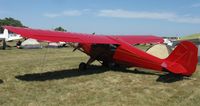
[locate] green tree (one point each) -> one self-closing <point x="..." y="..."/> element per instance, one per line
<point x="60" y="29"/>
<point x="11" y="22"/>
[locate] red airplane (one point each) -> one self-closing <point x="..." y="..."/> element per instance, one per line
<point x="118" y="50"/>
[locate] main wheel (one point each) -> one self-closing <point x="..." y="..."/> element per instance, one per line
<point x="82" y="66"/>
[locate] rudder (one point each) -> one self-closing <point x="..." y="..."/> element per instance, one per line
<point x="183" y="60"/>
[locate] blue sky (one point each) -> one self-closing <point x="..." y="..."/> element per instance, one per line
<point x="157" y="17"/>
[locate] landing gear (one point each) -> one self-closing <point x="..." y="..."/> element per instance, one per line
<point x="82" y="66"/>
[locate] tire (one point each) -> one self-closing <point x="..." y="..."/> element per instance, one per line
<point x="82" y="66"/>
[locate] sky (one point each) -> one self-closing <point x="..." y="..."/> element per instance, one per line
<point x="121" y="17"/>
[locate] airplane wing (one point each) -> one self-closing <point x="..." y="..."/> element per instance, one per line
<point x="56" y="36"/>
<point x="13" y="37"/>
<point x="138" y="39"/>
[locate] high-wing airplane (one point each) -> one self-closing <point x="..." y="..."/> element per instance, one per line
<point x="9" y="37"/>
<point x="5" y="37"/>
<point x="118" y="50"/>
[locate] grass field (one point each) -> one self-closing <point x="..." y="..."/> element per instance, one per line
<point x="49" y="77"/>
<point x="193" y="36"/>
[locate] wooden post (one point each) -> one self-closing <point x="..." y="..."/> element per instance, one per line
<point x="4" y="44"/>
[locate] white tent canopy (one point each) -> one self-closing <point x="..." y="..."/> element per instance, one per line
<point x="31" y="44"/>
<point x="56" y="44"/>
<point x="160" y="50"/>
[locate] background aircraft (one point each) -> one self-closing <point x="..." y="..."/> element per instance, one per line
<point x="5" y="37"/>
<point x="9" y="37"/>
<point x="118" y="50"/>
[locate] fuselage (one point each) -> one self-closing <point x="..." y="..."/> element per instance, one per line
<point x="124" y="55"/>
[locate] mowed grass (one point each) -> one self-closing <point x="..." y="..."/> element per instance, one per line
<point x="49" y="77"/>
<point x="193" y="36"/>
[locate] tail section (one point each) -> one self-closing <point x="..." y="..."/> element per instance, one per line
<point x="5" y="33"/>
<point x="183" y="60"/>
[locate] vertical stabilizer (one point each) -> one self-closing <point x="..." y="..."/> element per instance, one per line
<point x="183" y="60"/>
<point x="5" y="34"/>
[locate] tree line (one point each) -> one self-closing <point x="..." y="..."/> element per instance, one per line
<point x="17" y="23"/>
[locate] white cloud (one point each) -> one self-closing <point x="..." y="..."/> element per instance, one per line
<point x="196" y="5"/>
<point x="51" y="15"/>
<point x="64" y="13"/>
<point x="118" y="13"/>
<point x="72" y="13"/>
<point x="188" y="20"/>
<point x="135" y="14"/>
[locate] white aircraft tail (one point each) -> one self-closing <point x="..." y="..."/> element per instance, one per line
<point x="5" y="34"/>
<point x="9" y="37"/>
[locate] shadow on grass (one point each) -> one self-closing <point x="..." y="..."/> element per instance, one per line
<point x="1" y="81"/>
<point x="170" y="78"/>
<point x="61" y="74"/>
<point x="124" y="70"/>
<point x="8" y="47"/>
<point x="162" y="77"/>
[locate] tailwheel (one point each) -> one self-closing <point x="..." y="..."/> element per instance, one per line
<point x="82" y="66"/>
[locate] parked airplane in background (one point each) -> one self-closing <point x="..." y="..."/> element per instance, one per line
<point x="5" y="37"/>
<point x="118" y="50"/>
<point x="9" y="37"/>
<point x="168" y="42"/>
